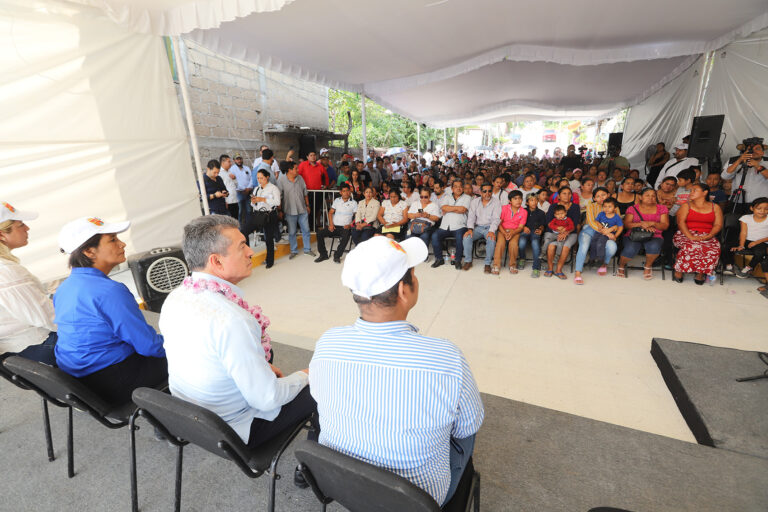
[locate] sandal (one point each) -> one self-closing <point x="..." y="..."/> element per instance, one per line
<point x="602" y="270"/>
<point x="495" y="270"/>
<point x="578" y="280"/>
<point x="647" y="273"/>
<point x="512" y="270"/>
<point x="620" y="272"/>
<point x="548" y="273"/>
<point x="561" y="275"/>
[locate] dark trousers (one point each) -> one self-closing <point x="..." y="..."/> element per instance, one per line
<point x="759" y="256"/>
<point x="441" y="234"/>
<point x="116" y="383"/>
<point x="269" y="238"/>
<point x="234" y="210"/>
<point x="362" y="235"/>
<point x="43" y="352"/>
<point x="262" y="431"/>
<point x="667" y="248"/>
<point x="242" y="207"/>
<point x="337" y="232"/>
<point x="731" y="230"/>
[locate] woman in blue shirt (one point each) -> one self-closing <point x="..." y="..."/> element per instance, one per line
<point x="104" y="340"/>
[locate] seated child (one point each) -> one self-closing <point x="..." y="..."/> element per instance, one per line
<point x="603" y="245"/>
<point x="753" y="238"/>
<point x="563" y="226"/>
<point x="534" y="227"/>
<point x="513" y="218"/>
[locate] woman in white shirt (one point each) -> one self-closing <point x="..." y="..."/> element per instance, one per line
<point x="392" y="216"/>
<point x="26" y="309"/>
<point x="366" y="222"/>
<point x="423" y="215"/>
<point x="266" y="199"/>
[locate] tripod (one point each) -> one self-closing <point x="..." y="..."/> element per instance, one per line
<point x="737" y="205"/>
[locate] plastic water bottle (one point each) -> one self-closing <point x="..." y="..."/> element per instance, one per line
<point x="712" y="278"/>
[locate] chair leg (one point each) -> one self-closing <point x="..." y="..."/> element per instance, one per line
<point x="70" y="444"/>
<point x="179" y="461"/>
<point x="272" y="483"/>
<point x="134" y="484"/>
<point x="47" y="429"/>
<point x="477" y="494"/>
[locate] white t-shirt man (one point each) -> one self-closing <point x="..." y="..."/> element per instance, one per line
<point x="673" y="168"/>
<point x="343" y="211"/>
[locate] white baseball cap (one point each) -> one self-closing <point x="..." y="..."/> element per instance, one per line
<point x="682" y="146"/>
<point x="324" y="151"/>
<point x="377" y="264"/>
<point x="76" y="233"/>
<point x="8" y="212"/>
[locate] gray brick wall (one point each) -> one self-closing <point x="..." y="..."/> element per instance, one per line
<point x="232" y="102"/>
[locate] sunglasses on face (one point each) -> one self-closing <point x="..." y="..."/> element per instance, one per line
<point x="487" y="190"/>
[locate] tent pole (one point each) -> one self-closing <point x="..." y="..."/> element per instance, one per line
<point x="418" y="139"/>
<point x="456" y="140"/>
<point x="365" y="131"/>
<point x="445" y="142"/>
<point x="190" y="122"/>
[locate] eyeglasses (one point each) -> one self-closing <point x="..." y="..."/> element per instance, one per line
<point x="487" y="190"/>
<point x="425" y="197"/>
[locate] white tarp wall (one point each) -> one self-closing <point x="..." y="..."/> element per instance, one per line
<point x="738" y="88"/>
<point x="90" y="125"/>
<point x="664" y="117"/>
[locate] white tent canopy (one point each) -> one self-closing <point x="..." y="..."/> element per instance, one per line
<point x="453" y="62"/>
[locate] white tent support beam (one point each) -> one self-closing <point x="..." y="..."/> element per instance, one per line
<point x="418" y="139"/>
<point x="445" y="142"/>
<point x="190" y="121"/>
<point x="365" y="130"/>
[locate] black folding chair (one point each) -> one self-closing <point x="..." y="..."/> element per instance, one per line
<point x="7" y="375"/>
<point x="363" y="487"/>
<point x="182" y="423"/>
<point x="63" y="390"/>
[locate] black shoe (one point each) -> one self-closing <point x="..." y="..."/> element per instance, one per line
<point x="320" y="258"/>
<point x="700" y="281"/>
<point x="676" y="279"/>
<point x="437" y="263"/>
<point x="337" y="260"/>
<point x="269" y="265"/>
<point x="457" y="264"/>
<point x="298" y="479"/>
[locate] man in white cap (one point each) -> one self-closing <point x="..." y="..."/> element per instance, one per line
<point x="674" y="167"/>
<point x="386" y="394"/>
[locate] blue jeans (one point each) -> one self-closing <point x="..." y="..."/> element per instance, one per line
<point x="478" y="233"/>
<point x="441" y="234"/>
<point x="585" y="240"/>
<point x="461" y="451"/>
<point x="42" y="352"/>
<point x="535" y="247"/>
<point x="303" y="221"/>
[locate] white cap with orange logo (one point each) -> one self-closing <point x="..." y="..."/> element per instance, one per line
<point x="76" y="233"/>
<point x="376" y="265"/>
<point x="8" y="212"/>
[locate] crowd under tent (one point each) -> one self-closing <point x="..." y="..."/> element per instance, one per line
<point x="92" y="124"/>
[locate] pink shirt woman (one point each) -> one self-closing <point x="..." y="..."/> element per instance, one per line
<point x="513" y="221"/>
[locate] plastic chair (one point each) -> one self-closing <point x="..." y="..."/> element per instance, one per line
<point x="363" y="487"/>
<point x="7" y="375"/>
<point x="63" y="390"/>
<point x="182" y="422"/>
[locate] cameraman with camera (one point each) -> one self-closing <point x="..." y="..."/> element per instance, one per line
<point x="752" y="175"/>
<point x="614" y="161"/>
<point x="573" y="161"/>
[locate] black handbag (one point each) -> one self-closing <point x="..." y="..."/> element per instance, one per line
<point x="638" y="234"/>
<point x="419" y="226"/>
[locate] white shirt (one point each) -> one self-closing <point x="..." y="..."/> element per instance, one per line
<point x="755" y="230"/>
<point x="755" y="184"/>
<point x="673" y="168"/>
<point x="436" y="199"/>
<point x="452" y="220"/>
<point x="393" y="213"/>
<point x="242" y="175"/>
<point x="502" y="196"/>
<point x="409" y="200"/>
<point x="271" y="193"/>
<point x="431" y="209"/>
<point x="230" y="183"/>
<point x="26" y="310"/>
<point x="343" y="211"/>
<point x="215" y="358"/>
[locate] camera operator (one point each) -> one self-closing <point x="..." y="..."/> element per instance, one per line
<point x="674" y="167"/>
<point x="614" y="161"/>
<point x="749" y="177"/>
<point x="572" y="161"/>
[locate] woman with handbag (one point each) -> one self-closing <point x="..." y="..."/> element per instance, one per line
<point x="265" y="201"/>
<point x="644" y="224"/>
<point x="423" y="215"/>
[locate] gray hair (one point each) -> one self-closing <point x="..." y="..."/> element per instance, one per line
<point x="203" y="236"/>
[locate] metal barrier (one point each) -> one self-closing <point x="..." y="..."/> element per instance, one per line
<point x="320" y="202"/>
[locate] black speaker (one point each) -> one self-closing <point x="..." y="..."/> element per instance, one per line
<point x="307" y="144"/>
<point x="157" y="273"/>
<point x="615" y="139"/>
<point x="705" y="136"/>
<point x="431" y="146"/>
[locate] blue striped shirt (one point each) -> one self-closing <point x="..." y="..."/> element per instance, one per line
<point x="394" y="398"/>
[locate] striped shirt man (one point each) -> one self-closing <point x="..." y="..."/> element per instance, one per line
<point x="393" y="398"/>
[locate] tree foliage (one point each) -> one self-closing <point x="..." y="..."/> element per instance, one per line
<point x="384" y="128"/>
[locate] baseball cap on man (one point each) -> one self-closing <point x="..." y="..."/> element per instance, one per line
<point x="682" y="146"/>
<point x="376" y="265"/>
<point x="8" y="212"/>
<point x="76" y="233"/>
<point x="324" y="151"/>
